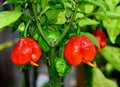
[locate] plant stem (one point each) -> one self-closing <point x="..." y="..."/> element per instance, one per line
<point x="35" y="76"/>
<point x="68" y="26"/>
<point x="53" y="79"/>
<point x="26" y="27"/>
<point x="26" y="78"/>
<point x="37" y="22"/>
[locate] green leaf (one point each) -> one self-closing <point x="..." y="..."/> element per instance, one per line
<point x="113" y="14"/>
<point x="89" y="8"/>
<point x="87" y="21"/>
<point x="108" y="14"/>
<point x="52" y="15"/>
<point x="44" y="3"/>
<point x="112" y="27"/>
<point x="99" y="80"/>
<point x="61" y="18"/>
<point x="99" y="3"/>
<point x="111" y="21"/>
<point x="68" y="12"/>
<point x="112" y="55"/>
<point x="8" y="17"/>
<point x="112" y="4"/>
<point x="117" y="10"/>
<point x="92" y="38"/>
<point x="79" y="15"/>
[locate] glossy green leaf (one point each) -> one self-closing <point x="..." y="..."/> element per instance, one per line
<point x="112" y="55"/>
<point x="8" y="17"/>
<point x="99" y="80"/>
<point x="87" y="21"/>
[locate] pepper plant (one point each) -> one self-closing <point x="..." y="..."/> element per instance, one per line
<point x="65" y="33"/>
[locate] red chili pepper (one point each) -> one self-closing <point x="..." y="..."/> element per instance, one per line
<point x="26" y="51"/>
<point x="80" y="49"/>
<point x="101" y="37"/>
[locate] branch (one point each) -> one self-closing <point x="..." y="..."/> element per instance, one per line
<point x="68" y="26"/>
<point x="38" y="24"/>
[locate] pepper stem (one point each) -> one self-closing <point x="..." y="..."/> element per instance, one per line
<point x="33" y="63"/>
<point x="68" y="26"/>
<point x="90" y="64"/>
<point x="37" y="22"/>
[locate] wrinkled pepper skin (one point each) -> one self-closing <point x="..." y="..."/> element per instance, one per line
<point x="26" y="51"/>
<point x="79" y="49"/>
<point x="101" y="37"/>
<point x="62" y="67"/>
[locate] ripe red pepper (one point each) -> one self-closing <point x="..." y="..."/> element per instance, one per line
<point x="101" y="37"/>
<point x="80" y="49"/>
<point x="26" y="51"/>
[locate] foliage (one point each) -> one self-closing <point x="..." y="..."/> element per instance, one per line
<point x="52" y="23"/>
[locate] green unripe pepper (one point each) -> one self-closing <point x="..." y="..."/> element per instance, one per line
<point x="43" y="44"/>
<point x="62" y="67"/>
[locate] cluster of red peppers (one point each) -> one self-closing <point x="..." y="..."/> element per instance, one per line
<point x="79" y="49"/>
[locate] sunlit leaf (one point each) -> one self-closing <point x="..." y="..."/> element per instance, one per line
<point x="87" y="21"/>
<point x="112" y="27"/>
<point x="89" y="8"/>
<point x="112" y="55"/>
<point x="8" y="17"/>
<point x="79" y="15"/>
<point x="61" y="18"/>
<point x="99" y="3"/>
<point x="112" y="4"/>
<point x="99" y="80"/>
